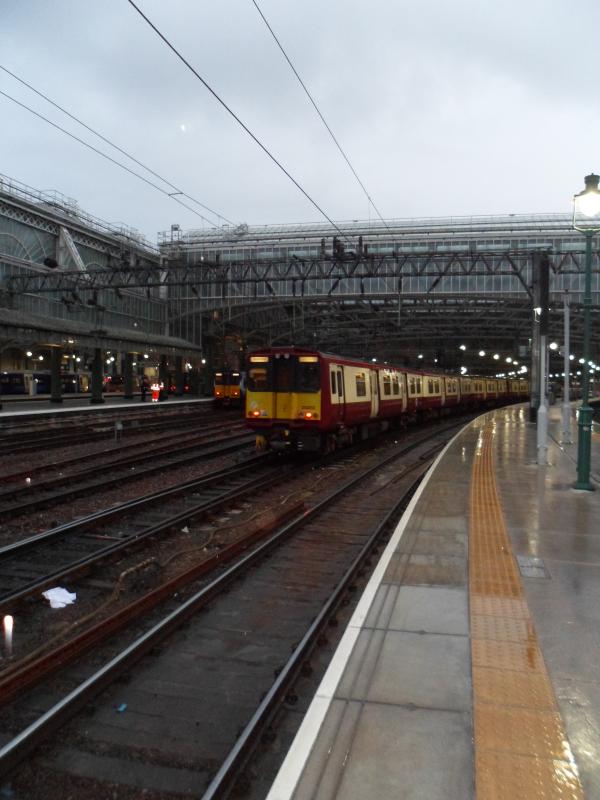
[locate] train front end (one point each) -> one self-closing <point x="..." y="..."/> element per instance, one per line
<point x="284" y="399"/>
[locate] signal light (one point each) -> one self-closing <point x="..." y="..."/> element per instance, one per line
<point x="256" y="413"/>
<point x="308" y="415"/>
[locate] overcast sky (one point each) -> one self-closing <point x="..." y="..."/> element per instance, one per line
<point x="444" y="108"/>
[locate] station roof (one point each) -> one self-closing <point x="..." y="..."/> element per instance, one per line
<point x="23" y="328"/>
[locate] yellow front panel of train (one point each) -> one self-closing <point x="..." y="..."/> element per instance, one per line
<point x="298" y="405"/>
<point x="288" y="406"/>
<point x="260" y="405"/>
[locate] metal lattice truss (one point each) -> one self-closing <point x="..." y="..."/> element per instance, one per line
<point x="382" y="305"/>
<point x="243" y="281"/>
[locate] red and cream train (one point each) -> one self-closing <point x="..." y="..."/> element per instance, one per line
<point x="308" y="400"/>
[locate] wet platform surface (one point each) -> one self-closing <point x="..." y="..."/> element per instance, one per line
<point x="471" y="667"/>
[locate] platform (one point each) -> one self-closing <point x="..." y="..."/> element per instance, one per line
<point x="470" y="668"/>
<point x="25" y="406"/>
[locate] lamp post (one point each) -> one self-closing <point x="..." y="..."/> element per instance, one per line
<point x="566" y="405"/>
<point x="586" y="203"/>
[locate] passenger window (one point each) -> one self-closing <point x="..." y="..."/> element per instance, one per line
<point x="395" y="384"/>
<point x="430" y="387"/>
<point x="339" y="382"/>
<point x="361" y="386"/>
<point x="333" y="390"/>
<point x="387" y="385"/>
<point x="418" y="385"/>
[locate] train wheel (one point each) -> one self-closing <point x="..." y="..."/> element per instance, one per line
<point x="330" y="444"/>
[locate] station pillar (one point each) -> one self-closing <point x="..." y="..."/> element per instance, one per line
<point x="96" y="397"/>
<point x="163" y="377"/>
<point x="194" y="381"/>
<point x="127" y="366"/>
<point x="55" y="382"/>
<point x="179" y="377"/>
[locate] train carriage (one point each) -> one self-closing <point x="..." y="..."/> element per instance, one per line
<point x="451" y="391"/>
<point x="228" y="387"/>
<point x="307" y="400"/>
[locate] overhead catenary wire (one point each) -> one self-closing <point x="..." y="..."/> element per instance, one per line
<point x="323" y="120"/>
<point x="106" y="156"/>
<point x="236" y="118"/>
<point x="112" y="144"/>
<point x="116" y="146"/>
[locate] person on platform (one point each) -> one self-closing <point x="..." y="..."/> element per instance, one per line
<point x="144" y="386"/>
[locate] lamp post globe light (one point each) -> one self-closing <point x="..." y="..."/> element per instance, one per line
<point x="586" y="220"/>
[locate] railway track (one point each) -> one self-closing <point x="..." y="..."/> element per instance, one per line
<point x="33" y="435"/>
<point x="120" y="449"/>
<point x="25" y="498"/>
<point x="31" y="565"/>
<point x="186" y="722"/>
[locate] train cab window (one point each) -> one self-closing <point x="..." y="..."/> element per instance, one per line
<point x="308" y="374"/>
<point x="361" y="385"/>
<point x="219" y="379"/>
<point x="258" y="379"/>
<point x="333" y="384"/>
<point x="387" y="384"/>
<point x="339" y="383"/>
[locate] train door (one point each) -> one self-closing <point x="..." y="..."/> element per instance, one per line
<point x="374" y="392"/>
<point x="283" y="384"/>
<point x="336" y="385"/>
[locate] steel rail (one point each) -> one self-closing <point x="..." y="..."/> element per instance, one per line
<point x="199" y="453"/>
<point x="107" y="514"/>
<point x="16" y="749"/>
<point x="246" y="742"/>
<point x="48" y="435"/>
<point x="154" y="446"/>
<point x="121" y="461"/>
<point x="84" y="562"/>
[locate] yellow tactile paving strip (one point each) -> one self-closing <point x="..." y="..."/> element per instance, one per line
<point x="521" y="747"/>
